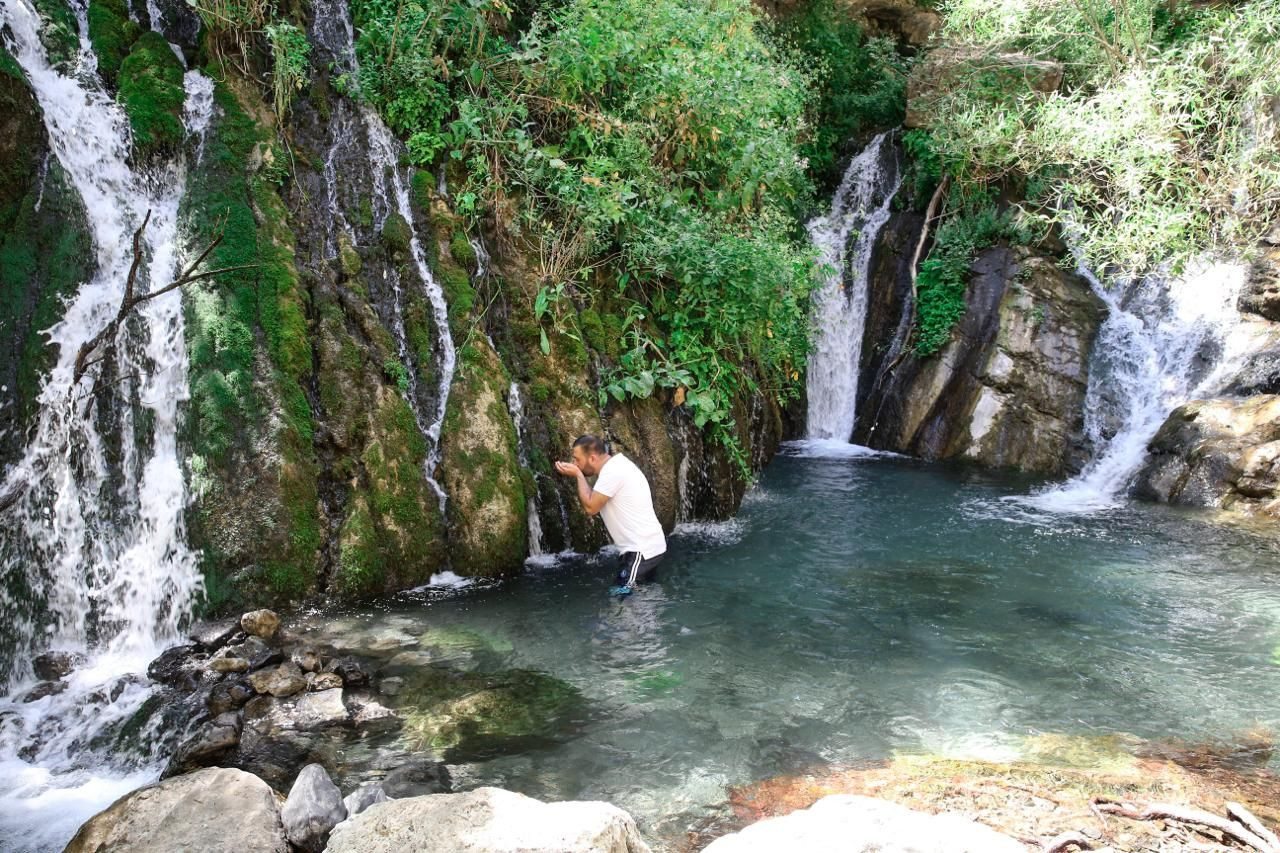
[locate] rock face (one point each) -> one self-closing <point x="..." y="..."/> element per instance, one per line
<point x="1012" y="73"/>
<point x="216" y="809"/>
<point x="313" y="809"/>
<point x="1007" y="390"/>
<point x="847" y="823"/>
<point x="1222" y="452"/>
<point x="487" y="820"/>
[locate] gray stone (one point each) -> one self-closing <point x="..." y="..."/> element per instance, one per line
<point x="349" y="670"/>
<point x="283" y="680"/>
<point x="260" y="623"/>
<point x="320" y="709"/>
<point x="212" y="810"/>
<point x="314" y="807"/>
<point x="176" y="667"/>
<point x="487" y="820"/>
<point x="416" y="779"/>
<point x="256" y="652"/>
<point x="323" y="680"/>
<point x="845" y="823"/>
<point x="50" y="666"/>
<point x="369" y="714"/>
<point x="43" y="689"/>
<point x="307" y="659"/>
<point x="228" y="696"/>
<point x="207" y="746"/>
<point x="390" y="686"/>
<point x="213" y="635"/>
<point x="364" y="796"/>
<point x="226" y="664"/>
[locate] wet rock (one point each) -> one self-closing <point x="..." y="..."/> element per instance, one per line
<point x="364" y="796"/>
<point x="390" y="686"/>
<point x="314" y="807"/>
<point x="1222" y="452"/>
<point x="50" y="666"/>
<point x="1261" y="293"/>
<point x="43" y="689"/>
<point x="176" y="667"/>
<point x="1260" y="374"/>
<point x="323" y="680"/>
<point x="228" y="696"/>
<point x="856" y="824"/>
<point x="416" y="779"/>
<point x="1008" y="389"/>
<point x="352" y="673"/>
<point x="320" y="709"/>
<point x="368" y="714"/>
<point x="488" y="819"/>
<point x="260" y="623"/>
<point x="210" y="745"/>
<point x="936" y="75"/>
<point x="258" y="653"/>
<point x="281" y="735"/>
<point x="226" y="664"/>
<point x="213" y="635"/>
<point x="307" y="659"/>
<point x="283" y="680"/>
<point x="212" y="810"/>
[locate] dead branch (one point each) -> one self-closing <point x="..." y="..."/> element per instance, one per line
<point x="1060" y="843"/>
<point x="132" y="300"/>
<point x="930" y="214"/>
<point x="1181" y="814"/>
<point x="1241" y="815"/>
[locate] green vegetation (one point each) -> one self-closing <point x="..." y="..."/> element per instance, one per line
<point x="1154" y="148"/>
<point x="59" y="32"/>
<point x="651" y="144"/>
<point x="289" y="66"/>
<point x="112" y="34"/>
<point x="150" y="88"/>
<point x="860" y="80"/>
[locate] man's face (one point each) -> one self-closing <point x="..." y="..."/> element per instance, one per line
<point x="589" y="465"/>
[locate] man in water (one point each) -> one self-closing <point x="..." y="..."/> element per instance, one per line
<point x="622" y="498"/>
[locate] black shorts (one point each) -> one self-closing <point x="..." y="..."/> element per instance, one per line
<point x="634" y="569"/>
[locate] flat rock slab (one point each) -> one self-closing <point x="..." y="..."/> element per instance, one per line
<point x="848" y="823"/>
<point x="212" y="810"/>
<point x="487" y="820"/>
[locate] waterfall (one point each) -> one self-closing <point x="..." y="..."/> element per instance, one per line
<point x="515" y="404"/>
<point x="1166" y="340"/>
<point x="844" y="238"/>
<point x="98" y="538"/>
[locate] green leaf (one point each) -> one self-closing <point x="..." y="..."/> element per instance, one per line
<point x="543" y="342"/>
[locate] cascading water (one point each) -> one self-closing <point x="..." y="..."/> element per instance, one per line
<point x="845" y="237"/>
<point x="97" y="539"/>
<point x="515" y="404"/>
<point x="1166" y="340"/>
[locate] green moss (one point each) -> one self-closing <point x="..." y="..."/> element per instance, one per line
<point x="111" y="34"/>
<point x="460" y="296"/>
<point x="59" y="32"/>
<point x="150" y="84"/>
<point x="422" y="189"/>
<point x="396" y="233"/>
<point x="464" y="254"/>
<point x="348" y="258"/>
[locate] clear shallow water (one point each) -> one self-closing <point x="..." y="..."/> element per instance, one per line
<point x="861" y="605"/>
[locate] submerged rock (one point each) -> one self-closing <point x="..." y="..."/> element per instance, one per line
<point x="416" y="779"/>
<point x="314" y="807"/>
<point x="847" y="823"/>
<point x="488" y="819"/>
<point x="364" y="796"/>
<point x="212" y="810"/>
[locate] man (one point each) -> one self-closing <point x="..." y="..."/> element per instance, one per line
<point x="622" y="498"/>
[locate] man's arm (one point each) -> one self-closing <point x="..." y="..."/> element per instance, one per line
<point x="591" y="500"/>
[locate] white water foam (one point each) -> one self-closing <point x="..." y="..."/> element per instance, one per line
<point x="845" y="238"/>
<point x="515" y="405"/>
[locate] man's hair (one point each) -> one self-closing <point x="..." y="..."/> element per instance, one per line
<point x="591" y="445"/>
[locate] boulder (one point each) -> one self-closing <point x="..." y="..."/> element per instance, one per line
<point x="228" y="696"/>
<point x="349" y="670"/>
<point x="177" y="667"/>
<point x="256" y="652"/>
<point x="283" y="680"/>
<point x="211" y="810"/>
<point x="946" y="69"/>
<point x="846" y="823"/>
<point x="213" y="635"/>
<point x="228" y="664"/>
<point x="307" y="659"/>
<point x="50" y="666"/>
<point x="43" y="689"/>
<point x="364" y="796"/>
<point x="260" y="623"/>
<point x="323" y="680"/>
<point x="209" y="745"/>
<point x="314" y="807"/>
<point x="490" y="820"/>
<point x="1222" y="452"/>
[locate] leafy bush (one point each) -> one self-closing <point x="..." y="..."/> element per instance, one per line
<point x="289" y="67"/>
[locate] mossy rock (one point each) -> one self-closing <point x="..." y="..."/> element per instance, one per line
<point x="459" y="295"/>
<point x="150" y="84"/>
<point x="463" y="253"/>
<point x="396" y="234"/>
<point x="59" y="31"/>
<point x="481" y="471"/>
<point x="467" y="716"/>
<point x="111" y="33"/>
<point x="466" y="647"/>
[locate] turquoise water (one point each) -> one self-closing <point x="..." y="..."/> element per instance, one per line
<point x="857" y="607"/>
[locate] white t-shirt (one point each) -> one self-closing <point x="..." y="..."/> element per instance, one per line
<point x="628" y="514"/>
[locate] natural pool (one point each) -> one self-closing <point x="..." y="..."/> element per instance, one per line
<point x="861" y="605"/>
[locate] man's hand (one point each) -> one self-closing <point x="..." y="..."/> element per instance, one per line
<point x="568" y="469"/>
